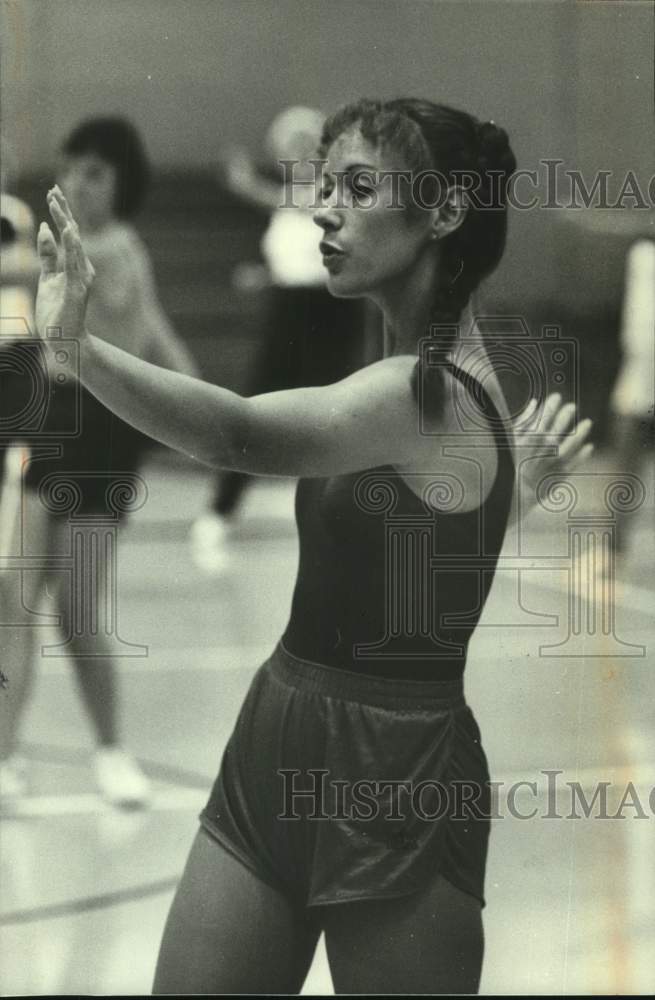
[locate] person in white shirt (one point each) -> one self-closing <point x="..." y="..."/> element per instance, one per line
<point x="311" y="338"/>
<point x="633" y="395"/>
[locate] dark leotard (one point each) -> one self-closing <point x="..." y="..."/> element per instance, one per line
<point x="387" y="584"/>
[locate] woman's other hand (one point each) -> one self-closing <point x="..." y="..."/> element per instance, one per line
<point x="548" y="441"/>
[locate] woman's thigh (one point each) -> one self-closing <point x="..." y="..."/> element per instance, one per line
<point x="429" y="942"/>
<point x="229" y="932"/>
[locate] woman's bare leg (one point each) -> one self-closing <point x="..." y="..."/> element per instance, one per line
<point x="229" y="932"/>
<point x="429" y="942"/>
<point x="20" y="593"/>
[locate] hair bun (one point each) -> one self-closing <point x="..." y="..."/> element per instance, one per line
<point x="495" y="150"/>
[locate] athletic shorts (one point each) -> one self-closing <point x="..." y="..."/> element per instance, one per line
<point x="72" y="437"/>
<point x="336" y="787"/>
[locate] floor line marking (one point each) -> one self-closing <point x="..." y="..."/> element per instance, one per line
<point x="72" y="907"/>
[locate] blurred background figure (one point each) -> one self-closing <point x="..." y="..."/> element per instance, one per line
<point x="19" y="263"/>
<point x="633" y="395"/>
<point x="105" y="174"/>
<point x="309" y="337"/>
<point x="18" y="278"/>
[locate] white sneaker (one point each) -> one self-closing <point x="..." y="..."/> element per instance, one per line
<point x="119" y="778"/>
<point x="12" y="779"/>
<point x="209" y="538"/>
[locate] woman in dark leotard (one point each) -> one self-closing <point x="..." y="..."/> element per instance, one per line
<point x="352" y="797"/>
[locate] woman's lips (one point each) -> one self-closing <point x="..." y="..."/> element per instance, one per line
<point x="332" y="256"/>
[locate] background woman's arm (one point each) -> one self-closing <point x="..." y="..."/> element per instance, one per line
<point x="243" y="179"/>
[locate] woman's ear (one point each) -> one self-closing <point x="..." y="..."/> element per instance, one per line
<point x="450" y="214"/>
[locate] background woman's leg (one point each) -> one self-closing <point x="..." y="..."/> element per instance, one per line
<point x="229" y="932"/>
<point x="20" y="593"/>
<point x="429" y="942"/>
<point x="96" y="672"/>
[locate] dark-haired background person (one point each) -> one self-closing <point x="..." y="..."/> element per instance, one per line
<point x="309" y="337"/>
<point x="398" y="896"/>
<point x="105" y="174"/>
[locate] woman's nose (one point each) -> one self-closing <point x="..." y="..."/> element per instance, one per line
<point x="327" y="217"/>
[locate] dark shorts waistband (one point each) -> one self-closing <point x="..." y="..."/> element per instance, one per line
<point x="348" y="685"/>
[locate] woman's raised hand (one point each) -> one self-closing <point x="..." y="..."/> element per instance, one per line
<point x="65" y="281"/>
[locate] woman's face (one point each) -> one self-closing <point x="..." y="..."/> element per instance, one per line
<point x="89" y="183"/>
<point x="367" y="243"/>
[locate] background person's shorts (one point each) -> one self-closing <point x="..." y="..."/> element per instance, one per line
<point x="76" y="437"/>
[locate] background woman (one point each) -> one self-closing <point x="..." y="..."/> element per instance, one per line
<point x="105" y="173"/>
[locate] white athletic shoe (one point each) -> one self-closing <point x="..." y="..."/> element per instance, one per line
<point x="12" y="779"/>
<point x="119" y="778"/>
<point x="210" y="537"/>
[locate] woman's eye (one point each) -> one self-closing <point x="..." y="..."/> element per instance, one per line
<point x="359" y="188"/>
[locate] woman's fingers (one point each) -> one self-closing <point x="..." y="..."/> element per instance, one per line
<point x="574" y="442"/>
<point x="562" y="420"/>
<point x="47" y="250"/>
<point x="585" y="452"/>
<point x="57" y="213"/>
<point x="78" y="266"/>
<point x="578" y="459"/>
<point x="71" y="259"/>
<point x="526" y="415"/>
<point x="59" y="195"/>
<point x="551" y="406"/>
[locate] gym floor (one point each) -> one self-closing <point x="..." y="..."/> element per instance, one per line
<point x="570" y="901"/>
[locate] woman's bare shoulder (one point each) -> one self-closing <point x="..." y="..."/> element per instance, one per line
<point x="392" y="372"/>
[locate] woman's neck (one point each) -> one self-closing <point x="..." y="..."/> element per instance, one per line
<point x="407" y="312"/>
<point x="406" y="305"/>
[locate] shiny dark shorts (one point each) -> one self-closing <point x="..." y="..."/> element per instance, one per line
<point x="336" y="787"/>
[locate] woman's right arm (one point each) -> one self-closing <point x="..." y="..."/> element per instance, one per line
<point x="202" y="420"/>
<point x="366" y="420"/>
